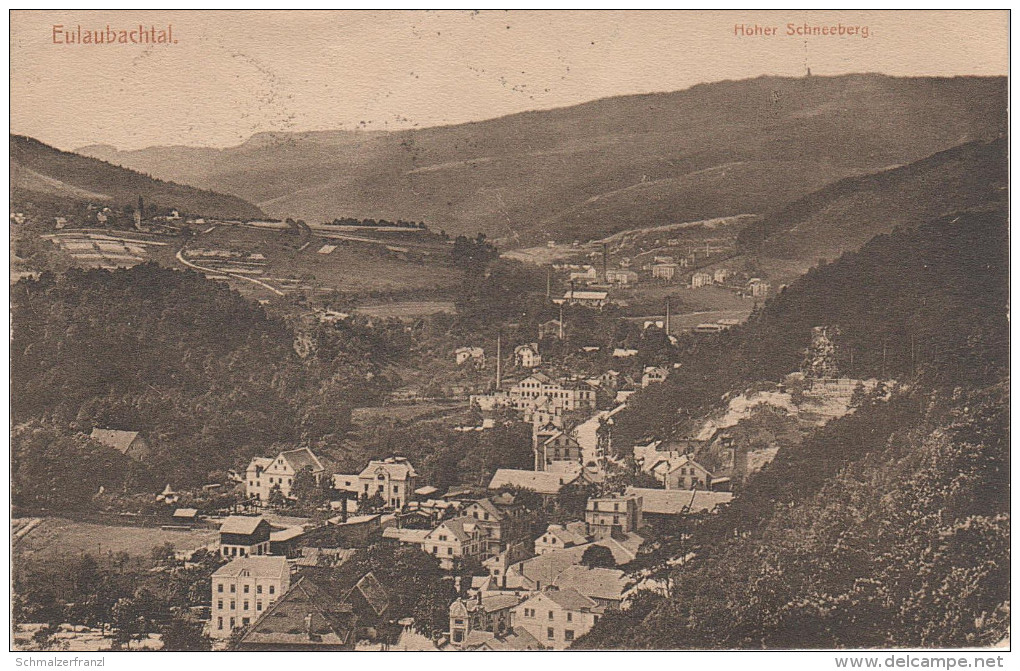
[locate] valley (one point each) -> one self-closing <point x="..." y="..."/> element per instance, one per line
<point x="765" y="320"/>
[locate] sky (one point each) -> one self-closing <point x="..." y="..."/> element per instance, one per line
<point x="232" y="74"/>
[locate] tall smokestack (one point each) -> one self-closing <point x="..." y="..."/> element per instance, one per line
<point x="667" y="315"/>
<point x="561" y="321"/>
<point x="499" y="360"/>
<point x="548" y="284"/>
<point x="605" y="260"/>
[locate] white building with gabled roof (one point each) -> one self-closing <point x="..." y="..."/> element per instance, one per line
<point x="453" y="540"/>
<point x="557" y="617"/>
<point x="393" y="479"/>
<point x="527" y="356"/>
<point x="244" y="589"/>
<point x="265" y="473"/>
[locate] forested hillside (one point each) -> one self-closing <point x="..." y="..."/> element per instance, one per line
<point x="889" y="526"/>
<point x="205" y="374"/>
<point x="930" y="301"/>
<point x="40" y="171"/>
<point x="843" y="216"/>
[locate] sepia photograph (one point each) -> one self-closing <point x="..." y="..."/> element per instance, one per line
<point x="509" y="331"/>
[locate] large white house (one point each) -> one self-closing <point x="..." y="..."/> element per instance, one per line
<point x="453" y="540"/>
<point x="527" y="356"/>
<point x="263" y="474"/>
<point x="393" y="479"/>
<point x="245" y="588"/>
<point x="556" y="617"/>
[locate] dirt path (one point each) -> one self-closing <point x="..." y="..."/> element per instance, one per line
<point x="180" y="258"/>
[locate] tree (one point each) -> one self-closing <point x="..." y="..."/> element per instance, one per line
<point x="306" y="490"/>
<point x="374" y="502"/>
<point x="276" y="497"/>
<point x="598" y="556"/>
<point x="183" y="634"/>
<point x="45" y="637"/>
<point x="163" y="553"/>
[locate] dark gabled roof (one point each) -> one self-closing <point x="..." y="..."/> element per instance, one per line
<point x="302" y="457"/>
<point x="363" y="594"/>
<point x="306" y="615"/>
<point x="570" y="599"/>
<point x="373" y="592"/>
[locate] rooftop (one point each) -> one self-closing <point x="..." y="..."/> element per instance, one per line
<point x="570" y="599"/>
<point x="678" y="501"/>
<point x="305" y="615"/>
<point x="596" y="583"/>
<point x="405" y="535"/>
<point x="398" y="468"/>
<point x="257" y="567"/>
<point x="586" y="295"/>
<point x="541" y="482"/>
<point x="287" y="534"/>
<point x="302" y="457"/>
<point x="237" y="524"/>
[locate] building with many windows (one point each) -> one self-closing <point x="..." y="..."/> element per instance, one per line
<point x="243" y="589"/>
<point x="617" y="514"/>
<point x="556" y="617"/>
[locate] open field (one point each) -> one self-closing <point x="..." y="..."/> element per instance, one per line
<point x="56" y="536"/>
<point x="406" y="309"/>
<point x="651" y="299"/>
<point x="545" y="255"/>
<point x="111" y="249"/>
<point x="291" y="261"/>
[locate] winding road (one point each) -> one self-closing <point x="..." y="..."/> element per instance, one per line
<point x="216" y="271"/>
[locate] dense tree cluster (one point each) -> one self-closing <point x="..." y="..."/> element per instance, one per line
<point x="446" y="458"/>
<point x="205" y="375"/>
<point x="473" y="254"/>
<point x="134" y="598"/>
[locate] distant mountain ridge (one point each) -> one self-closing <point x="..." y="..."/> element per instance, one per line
<point x="40" y="169"/>
<point x="586" y="171"/>
<point x="844" y="215"/>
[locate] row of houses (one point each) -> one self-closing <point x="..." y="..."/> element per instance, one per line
<point x="549" y="600"/>
<point x="537" y="595"/>
<point x="392" y="479"/>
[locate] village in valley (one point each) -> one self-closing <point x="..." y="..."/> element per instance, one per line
<point x="533" y="335"/>
<point x="531" y="556"/>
